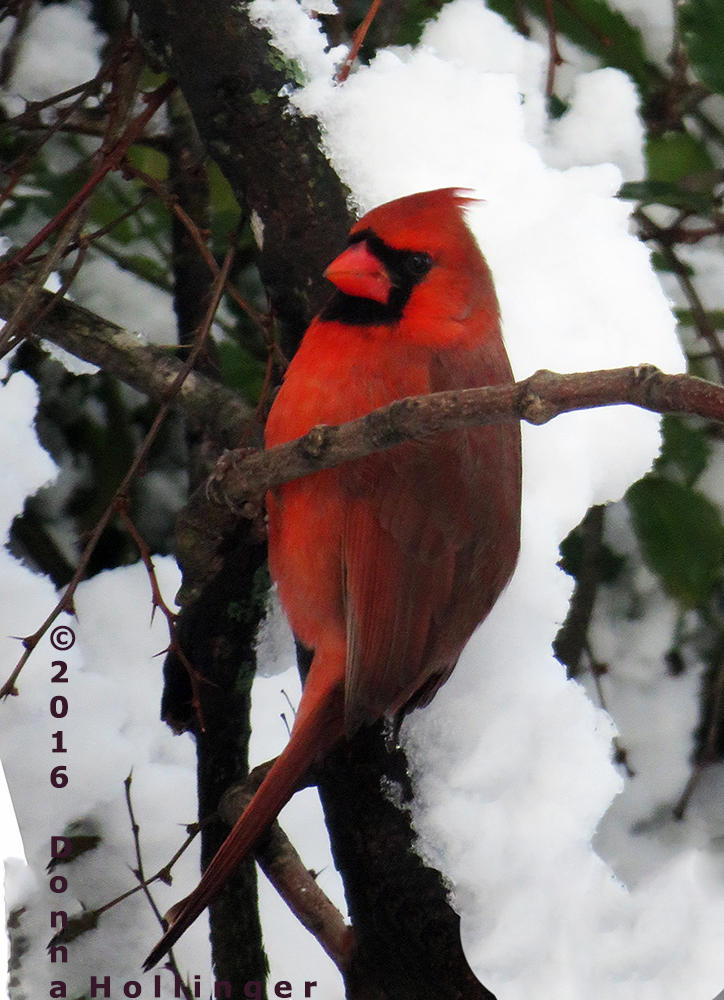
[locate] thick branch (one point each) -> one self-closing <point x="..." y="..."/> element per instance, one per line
<point x="151" y="370"/>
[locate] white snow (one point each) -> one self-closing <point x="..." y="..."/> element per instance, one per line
<point x="60" y="50"/>
<point x="655" y="21"/>
<point x="512" y="762"/>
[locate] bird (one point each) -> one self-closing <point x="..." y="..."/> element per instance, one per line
<point x="384" y="565"/>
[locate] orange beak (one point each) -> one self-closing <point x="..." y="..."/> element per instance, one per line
<point x="358" y="272"/>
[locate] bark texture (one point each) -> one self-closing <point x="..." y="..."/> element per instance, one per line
<point x="231" y="77"/>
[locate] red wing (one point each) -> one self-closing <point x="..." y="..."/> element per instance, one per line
<point x="430" y="539"/>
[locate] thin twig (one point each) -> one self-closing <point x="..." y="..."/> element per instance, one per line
<point x="80" y="89"/>
<point x="143" y="883"/>
<point x="358" y="40"/>
<point x="135" y="830"/>
<point x="157" y="601"/>
<point x="706" y="329"/>
<point x="554" y="56"/>
<point x="708" y="754"/>
<point x="88" y="920"/>
<point x="598" y="669"/>
<point x="112" y="161"/>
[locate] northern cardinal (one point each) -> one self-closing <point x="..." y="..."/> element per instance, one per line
<point x="386" y="565"/>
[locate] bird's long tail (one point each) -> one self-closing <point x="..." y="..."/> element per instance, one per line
<point x="318" y="726"/>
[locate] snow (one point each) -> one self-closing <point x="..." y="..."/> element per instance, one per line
<point x="60" y="50"/>
<point x="600" y="124"/>
<point x="121" y="297"/>
<point x="655" y="21"/>
<point x="570" y="882"/>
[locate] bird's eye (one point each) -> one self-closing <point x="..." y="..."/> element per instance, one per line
<point x="418" y="264"/>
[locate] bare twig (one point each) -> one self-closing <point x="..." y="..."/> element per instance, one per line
<point x="89" y="919"/>
<point x="708" y="754"/>
<point x="144" y="886"/>
<point x="358" y="40"/>
<point x="135" y="830"/>
<point x="554" y="56"/>
<point x="157" y="601"/>
<point x="111" y="161"/>
<point x="598" y="669"/>
<point x="706" y="329"/>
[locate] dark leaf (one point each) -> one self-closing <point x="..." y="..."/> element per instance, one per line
<point x="609" y="563"/>
<point x="681" y="536"/>
<point x="673" y="156"/>
<point x="665" y="193"/>
<point x="685" y="447"/>
<point x="702" y="26"/>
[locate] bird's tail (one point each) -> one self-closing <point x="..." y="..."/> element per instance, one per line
<point x="317" y="728"/>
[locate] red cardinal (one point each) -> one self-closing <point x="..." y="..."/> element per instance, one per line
<point x="385" y="565"/>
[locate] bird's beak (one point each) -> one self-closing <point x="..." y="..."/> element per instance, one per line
<point x="358" y="272"/>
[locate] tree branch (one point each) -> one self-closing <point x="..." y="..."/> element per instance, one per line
<point x="285" y="870"/>
<point x="242" y="478"/>
<point x="149" y="369"/>
<point x="536" y="400"/>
